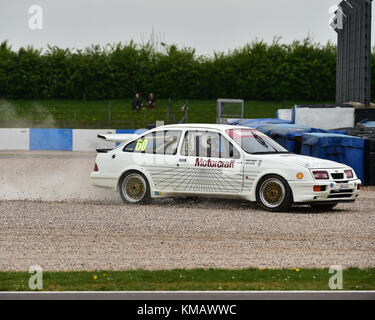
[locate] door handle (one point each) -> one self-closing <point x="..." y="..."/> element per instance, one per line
<point x="181" y="160"/>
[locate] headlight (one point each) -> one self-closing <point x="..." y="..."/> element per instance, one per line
<point x="349" y="174"/>
<point x="319" y="175"/>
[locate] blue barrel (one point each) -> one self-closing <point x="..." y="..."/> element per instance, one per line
<point x="337" y="147"/>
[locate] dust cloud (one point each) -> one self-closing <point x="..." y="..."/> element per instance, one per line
<point x="50" y="176"/>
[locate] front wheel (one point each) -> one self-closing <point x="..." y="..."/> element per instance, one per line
<point x="274" y="194"/>
<point x="134" y="188"/>
<point x="323" y="206"/>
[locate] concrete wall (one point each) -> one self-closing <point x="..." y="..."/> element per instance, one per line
<point x="14" y="139"/>
<point x="87" y="140"/>
<point x="324" y="118"/>
<point x="56" y="139"/>
<point x="284" y="114"/>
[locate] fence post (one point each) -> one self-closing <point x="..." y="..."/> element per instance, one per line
<point x="186" y="111"/>
<point x="168" y="109"/>
<point x="109" y="114"/>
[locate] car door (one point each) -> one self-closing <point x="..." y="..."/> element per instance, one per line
<point x="156" y="152"/>
<point x="210" y="164"/>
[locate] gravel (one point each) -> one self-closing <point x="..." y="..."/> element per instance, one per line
<point x="71" y="231"/>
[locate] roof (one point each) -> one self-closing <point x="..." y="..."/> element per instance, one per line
<point x="222" y="127"/>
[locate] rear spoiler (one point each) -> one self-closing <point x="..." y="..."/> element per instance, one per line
<point x="118" y="137"/>
<point x="103" y="150"/>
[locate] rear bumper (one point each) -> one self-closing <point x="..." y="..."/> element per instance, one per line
<point x="104" y="181"/>
<point x="303" y="192"/>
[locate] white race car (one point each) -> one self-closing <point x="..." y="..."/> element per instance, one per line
<point x="223" y="161"/>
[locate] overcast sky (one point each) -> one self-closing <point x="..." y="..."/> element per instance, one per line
<point x="207" y="25"/>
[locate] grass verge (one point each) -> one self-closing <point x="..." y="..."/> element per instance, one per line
<point x="95" y="114"/>
<point x="195" y="279"/>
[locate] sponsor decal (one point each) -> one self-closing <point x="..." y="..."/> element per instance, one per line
<point x="251" y="162"/>
<point x="199" y="162"/>
<point x="244" y="133"/>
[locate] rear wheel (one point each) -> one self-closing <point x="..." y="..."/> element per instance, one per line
<point x="274" y="194"/>
<point x="323" y="206"/>
<point x="134" y="188"/>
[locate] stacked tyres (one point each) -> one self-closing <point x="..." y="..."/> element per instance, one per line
<point x="362" y="114"/>
<point x="360" y="131"/>
<point x="370" y="160"/>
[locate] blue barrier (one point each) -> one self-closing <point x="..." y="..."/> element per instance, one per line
<point x="337" y="147"/>
<point x="256" y="122"/>
<point x="285" y="134"/>
<point x="130" y="131"/>
<point x="51" y="139"/>
<point x="290" y="135"/>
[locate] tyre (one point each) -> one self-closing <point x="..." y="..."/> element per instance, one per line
<point x="273" y="193"/>
<point x="134" y="188"/>
<point x="323" y="206"/>
<point x="371" y="143"/>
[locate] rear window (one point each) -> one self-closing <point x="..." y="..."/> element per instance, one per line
<point x="159" y="142"/>
<point x="255" y="142"/>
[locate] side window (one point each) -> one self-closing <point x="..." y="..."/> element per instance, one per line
<point x="130" y="147"/>
<point x="158" y="142"/>
<point x="167" y="141"/>
<point x="208" y="144"/>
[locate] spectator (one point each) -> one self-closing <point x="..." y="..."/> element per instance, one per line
<point x="151" y="101"/>
<point x="137" y="102"/>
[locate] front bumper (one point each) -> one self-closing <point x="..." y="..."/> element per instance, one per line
<point x="332" y="191"/>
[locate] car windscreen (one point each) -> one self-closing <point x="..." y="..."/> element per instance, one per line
<point x="255" y="142"/>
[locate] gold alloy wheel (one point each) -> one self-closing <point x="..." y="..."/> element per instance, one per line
<point x="134" y="187"/>
<point x="272" y="192"/>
